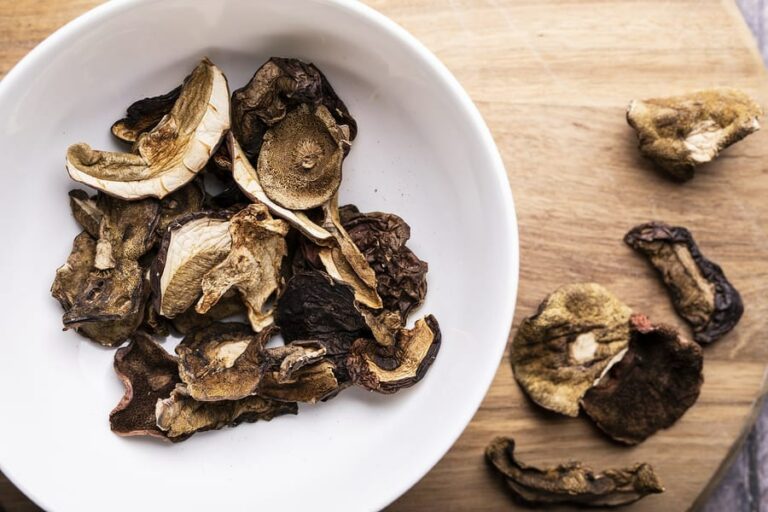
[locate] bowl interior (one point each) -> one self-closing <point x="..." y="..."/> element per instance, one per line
<point x="422" y="153"/>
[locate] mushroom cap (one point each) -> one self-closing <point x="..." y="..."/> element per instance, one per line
<point x="299" y="166"/>
<point x="172" y="153"/>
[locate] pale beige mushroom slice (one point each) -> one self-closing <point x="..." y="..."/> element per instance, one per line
<point x="253" y="265"/>
<point x="192" y="246"/>
<point x="172" y="153"/>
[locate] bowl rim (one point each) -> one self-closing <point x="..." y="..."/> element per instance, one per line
<point x="508" y="218"/>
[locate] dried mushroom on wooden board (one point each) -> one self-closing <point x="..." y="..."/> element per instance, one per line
<point x="699" y="289"/>
<point x="558" y="353"/>
<point x="180" y="239"/>
<point x="571" y="483"/>
<point x="681" y="132"/>
<point x="650" y="388"/>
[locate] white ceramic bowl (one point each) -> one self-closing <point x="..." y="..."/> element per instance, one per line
<point x="423" y="152"/>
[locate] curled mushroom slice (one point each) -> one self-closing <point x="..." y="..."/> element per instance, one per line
<point x="310" y="384"/>
<point x="558" y="353"/>
<point x="314" y="306"/>
<point x="390" y="369"/>
<point x="700" y="292"/>
<point x="222" y="362"/>
<point x="650" y="388"/>
<point x="172" y="153"/>
<point x="149" y="374"/>
<point x="143" y="115"/>
<point x="276" y="87"/>
<point x="401" y="280"/>
<point x="190" y="320"/>
<point x="252" y="266"/>
<point x="85" y="211"/>
<point x="682" y="132"/>
<point x="126" y="231"/>
<point x="180" y="416"/>
<point x="571" y="483"/>
<point x="299" y="165"/>
<point x="245" y="176"/>
<point x="192" y="245"/>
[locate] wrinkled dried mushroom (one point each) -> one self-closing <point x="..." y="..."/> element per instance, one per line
<point x="172" y="153"/>
<point x="180" y="416"/>
<point x="699" y="289"/>
<point x="558" y="353"/>
<point x="143" y="115"/>
<point x="253" y="265"/>
<point x="183" y="202"/>
<point x="149" y="374"/>
<point x="190" y="320"/>
<point x="390" y="369"/>
<point x="650" y="388"/>
<point x="682" y="132"/>
<point x="571" y="483"/>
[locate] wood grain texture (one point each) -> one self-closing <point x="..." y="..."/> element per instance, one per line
<point x="552" y="79"/>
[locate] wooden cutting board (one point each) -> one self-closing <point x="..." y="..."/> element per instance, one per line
<point x="552" y="79"/>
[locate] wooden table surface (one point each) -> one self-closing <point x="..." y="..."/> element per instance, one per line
<point x="552" y="79"/>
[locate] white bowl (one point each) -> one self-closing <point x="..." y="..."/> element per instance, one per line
<point x="423" y="152"/>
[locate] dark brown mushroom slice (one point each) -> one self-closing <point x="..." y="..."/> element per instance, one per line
<point x="192" y="245"/>
<point x="700" y="292"/>
<point x="110" y="304"/>
<point x="70" y="277"/>
<point x="277" y="86"/>
<point x="314" y="306"/>
<point x="559" y="352"/>
<point x="126" y="231"/>
<point x="571" y="483"/>
<point x="682" y="132"/>
<point x="224" y="361"/>
<point x="183" y="202"/>
<point x="153" y="323"/>
<point x="299" y="165"/>
<point x="650" y="388"/>
<point x="143" y="115"/>
<point x="189" y="321"/>
<point x="252" y="266"/>
<point x="390" y="369"/>
<point x="149" y="374"/>
<point x="180" y="416"/>
<point x="85" y="211"/>
<point x="401" y="277"/>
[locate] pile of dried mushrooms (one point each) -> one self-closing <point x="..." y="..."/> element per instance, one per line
<point x="159" y="252"/>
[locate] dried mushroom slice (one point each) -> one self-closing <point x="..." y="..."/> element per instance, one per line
<point x="314" y="306"/>
<point x="109" y="305"/>
<point x="85" y="211"/>
<point x="571" y="483"/>
<point x="127" y="228"/>
<point x="299" y="165"/>
<point x="558" y="353"/>
<point x="149" y="374"/>
<point x="192" y="246"/>
<point x="277" y="86"/>
<point x="143" y="115"/>
<point x="700" y="292"/>
<point x="190" y="320"/>
<point x="401" y="277"/>
<point x="181" y="416"/>
<point x="172" y="153"/>
<point x="183" y="202"/>
<point x="310" y="384"/>
<point x="71" y="276"/>
<point x="650" y="388"/>
<point x="252" y="266"/>
<point x="246" y="178"/>
<point x="682" y="132"/>
<point x="222" y="362"/>
<point x="390" y="369"/>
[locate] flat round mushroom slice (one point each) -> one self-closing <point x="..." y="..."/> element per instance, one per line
<point x="252" y="267"/>
<point x="172" y="153"/>
<point x="180" y="416"/>
<point x="558" y="353"/>
<point x="246" y="178"/>
<point x="650" y="388"/>
<point x="149" y="374"/>
<point x="223" y="361"/>
<point x="570" y="483"/>
<point x="390" y="369"/>
<point x="143" y="115"/>
<point x="299" y="165"/>
<point x="192" y="245"/>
